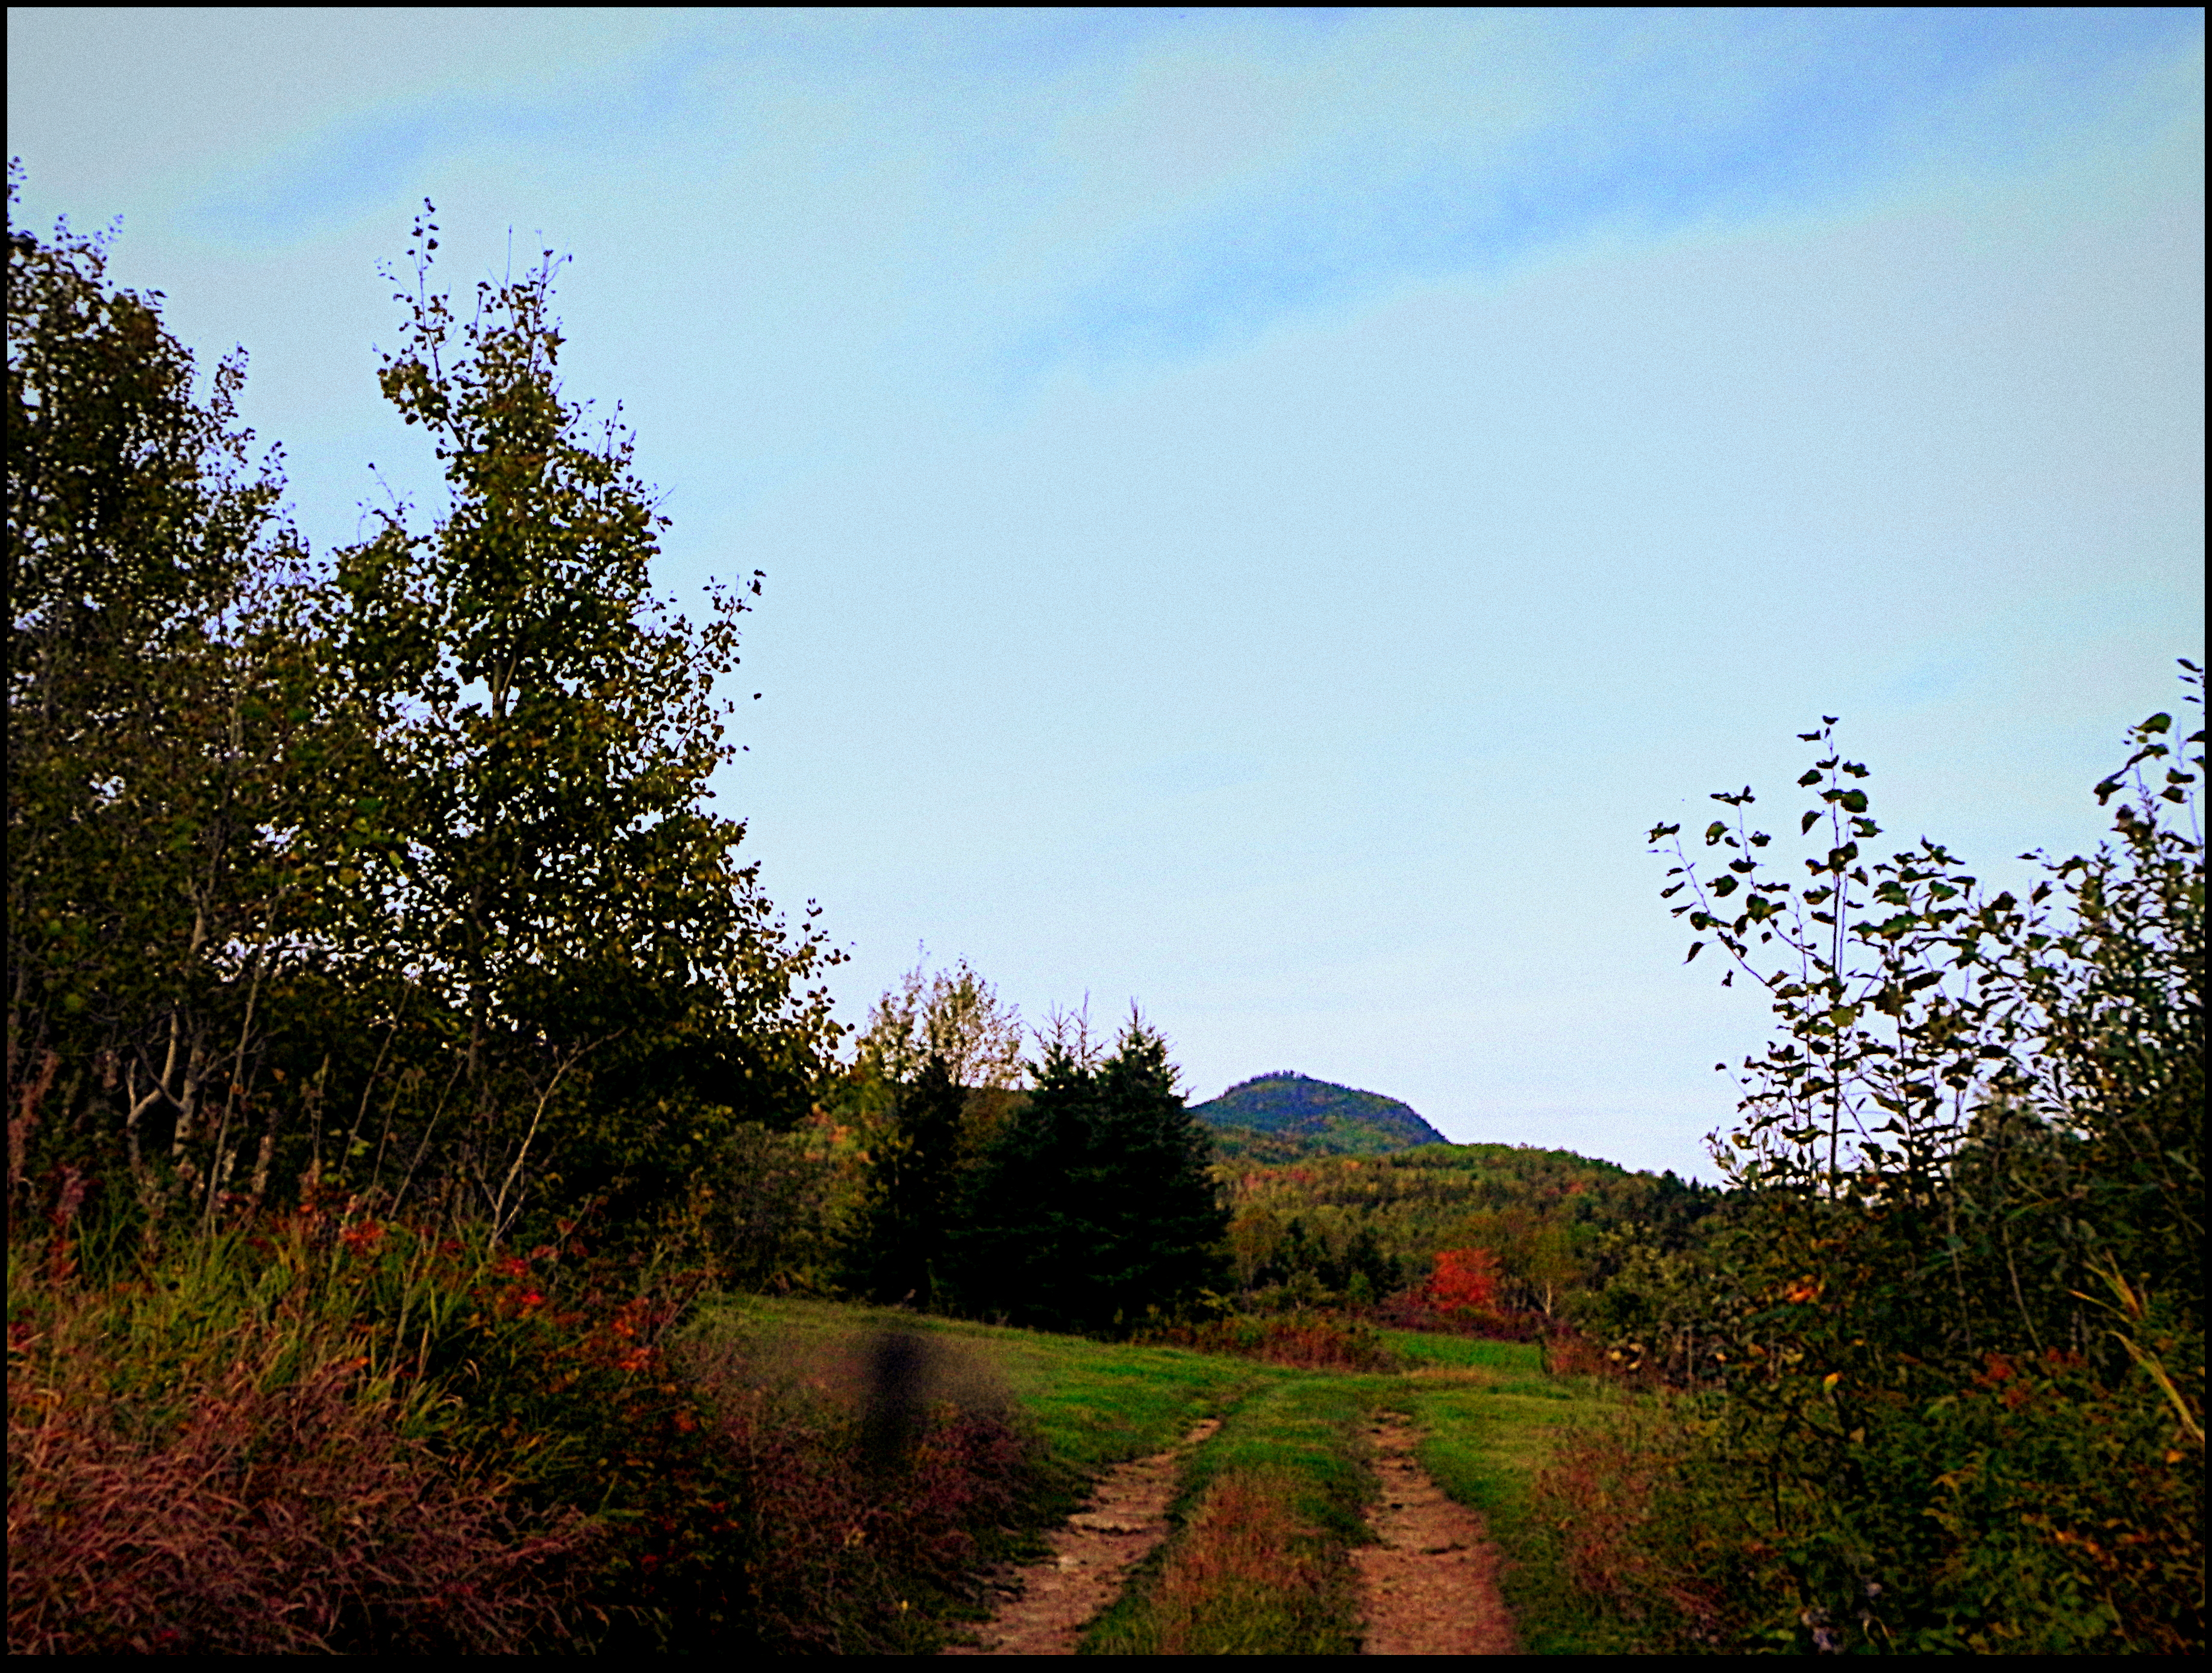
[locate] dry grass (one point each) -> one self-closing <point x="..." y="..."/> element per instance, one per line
<point x="257" y="1514"/>
<point x="1246" y="1575"/>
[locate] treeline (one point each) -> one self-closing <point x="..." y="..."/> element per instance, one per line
<point x="1329" y="1231"/>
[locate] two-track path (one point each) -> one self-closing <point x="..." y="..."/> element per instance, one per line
<point x="1429" y="1586"/>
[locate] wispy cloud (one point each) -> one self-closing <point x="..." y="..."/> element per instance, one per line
<point x="1467" y="145"/>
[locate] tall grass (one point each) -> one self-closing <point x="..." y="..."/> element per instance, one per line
<point x="327" y="1432"/>
<point x="1248" y="1576"/>
<point x="1268" y="1510"/>
<point x="202" y="1467"/>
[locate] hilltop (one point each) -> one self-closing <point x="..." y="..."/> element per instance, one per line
<point x="1303" y="1117"/>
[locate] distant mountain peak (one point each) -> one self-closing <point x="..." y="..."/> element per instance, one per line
<point x="1323" y="1114"/>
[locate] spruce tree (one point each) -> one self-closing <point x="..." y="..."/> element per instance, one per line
<point x="914" y="1172"/>
<point x="1095" y="1206"/>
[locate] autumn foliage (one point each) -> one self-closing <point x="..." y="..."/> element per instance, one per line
<point x="1465" y="1280"/>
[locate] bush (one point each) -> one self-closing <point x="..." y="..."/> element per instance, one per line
<point x="1316" y="1341"/>
<point x="1948" y="1332"/>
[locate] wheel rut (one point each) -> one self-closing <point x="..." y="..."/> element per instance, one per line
<point x="1430" y="1587"/>
<point x="1045" y="1605"/>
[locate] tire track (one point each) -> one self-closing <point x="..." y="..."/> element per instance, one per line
<point x="1430" y="1587"/>
<point x="1048" y="1603"/>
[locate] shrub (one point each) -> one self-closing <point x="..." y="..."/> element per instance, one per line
<point x="1317" y="1340"/>
<point x="1950" y="1324"/>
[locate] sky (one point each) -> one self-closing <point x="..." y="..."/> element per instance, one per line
<point x="1263" y="510"/>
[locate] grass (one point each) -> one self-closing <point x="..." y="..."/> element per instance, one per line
<point x="1270" y="1506"/>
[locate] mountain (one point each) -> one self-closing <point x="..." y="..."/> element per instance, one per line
<point x="1292" y="1111"/>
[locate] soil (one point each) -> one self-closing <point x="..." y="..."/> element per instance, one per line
<point x="1045" y="1605"/>
<point x="1430" y="1588"/>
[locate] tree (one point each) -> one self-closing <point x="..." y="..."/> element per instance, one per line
<point x="566" y="892"/>
<point x="931" y="1081"/>
<point x="1096" y="1206"/>
<point x="399" y="874"/>
<point x="182" y="759"/>
<point x="954" y="1015"/>
<point x="1953" y="1312"/>
<point x="907" y="1219"/>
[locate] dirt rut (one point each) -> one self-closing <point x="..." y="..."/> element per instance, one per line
<point x="1431" y="1587"/>
<point x="1047" y="1604"/>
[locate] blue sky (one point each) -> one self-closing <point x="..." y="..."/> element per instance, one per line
<point x="1263" y="509"/>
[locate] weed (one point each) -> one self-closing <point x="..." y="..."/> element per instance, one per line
<point x="261" y="1510"/>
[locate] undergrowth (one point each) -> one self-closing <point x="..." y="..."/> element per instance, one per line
<point x="326" y="1432"/>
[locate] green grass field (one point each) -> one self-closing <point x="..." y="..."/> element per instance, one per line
<point x="1292" y="1442"/>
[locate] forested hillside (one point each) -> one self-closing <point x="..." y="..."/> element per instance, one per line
<point x="1357" y="1229"/>
<point x="1275" y="1117"/>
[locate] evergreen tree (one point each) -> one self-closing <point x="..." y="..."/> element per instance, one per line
<point x="1096" y="1204"/>
<point x="913" y="1176"/>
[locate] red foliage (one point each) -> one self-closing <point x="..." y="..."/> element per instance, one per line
<point x="1465" y="1280"/>
<point x="1461" y="1299"/>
